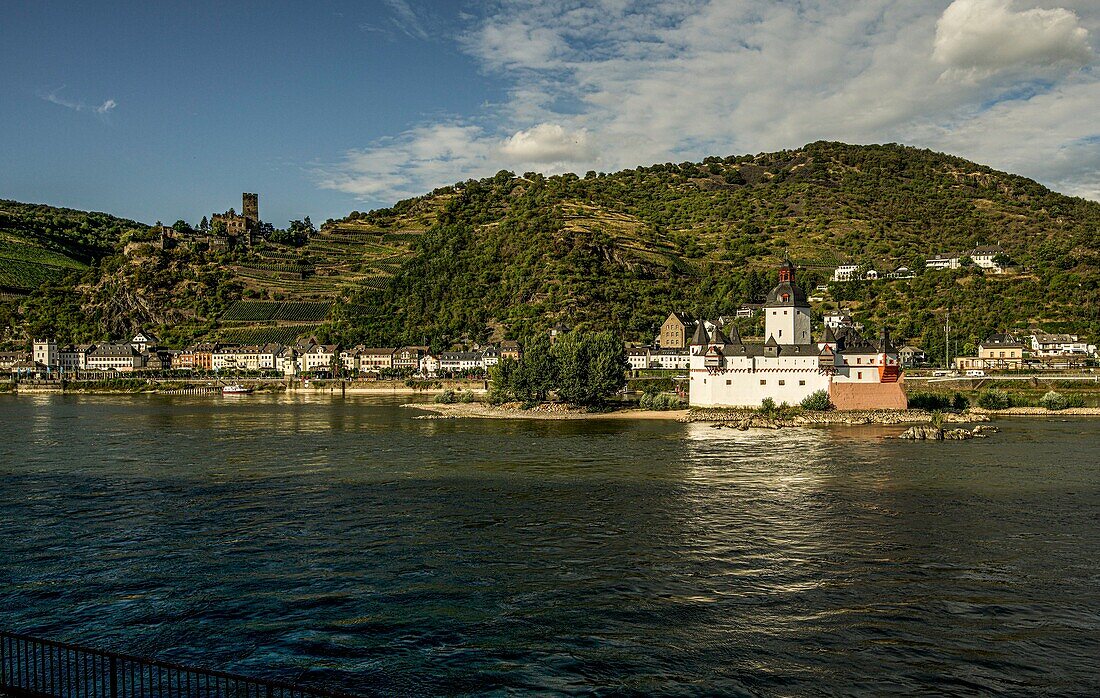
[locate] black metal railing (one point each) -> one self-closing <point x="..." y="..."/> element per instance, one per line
<point x="34" y="667"/>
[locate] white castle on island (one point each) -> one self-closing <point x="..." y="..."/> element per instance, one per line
<point x="790" y="365"/>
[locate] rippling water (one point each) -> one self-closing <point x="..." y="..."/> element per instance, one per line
<point x="341" y="542"/>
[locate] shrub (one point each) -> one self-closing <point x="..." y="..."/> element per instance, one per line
<point x="767" y="406"/>
<point x="994" y="399"/>
<point x="466" y="396"/>
<point x="818" y="401"/>
<point x="447" y="397"/>
<point x="928" y="401"/>
<point x="959" y="402"/>
<point x="659" y="401"/>
<point x="1054" y="401"/>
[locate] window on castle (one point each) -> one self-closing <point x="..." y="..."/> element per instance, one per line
<point x="763" y="382"/>
<point x="729" y="382"/>
<point x="802" y="382"/>
<point x="782" y="382"/>
<point x="859" y="374"/>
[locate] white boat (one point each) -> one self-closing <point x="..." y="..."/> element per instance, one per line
<point x="235" y="389"/>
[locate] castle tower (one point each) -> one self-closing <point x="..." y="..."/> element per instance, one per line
<point x="45" y="353"/>
<point x="787" y="312"/>
<point x="250" y="207"/>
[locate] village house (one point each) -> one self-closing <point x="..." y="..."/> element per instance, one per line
<point x="941" y="262"/>
<point x="490" y="356"/>
<point x="838" y="319"/>
<point x="675" y="332"/>
<point x="999" y="351"/>
<point x="845" y="272"/>
<point x="288" y="362"/>
<point x="144" y="342"/>
<point x="983" y="257"/>
<point x="319" y="358"/>
<point x="429" y="366"/>
<point x="197" y="357"/>
<point x="510" y="349"/>
<point x="458" y="361"/>
<point x="8" y="359"/>
<point x="375" y="359"/>
<point x="408" y="358"/>
<point x="637" y="358"/>
<point x="252" y="357"/>
<point x="1043" y="344"/>
<point x="671" y="359"/>
<point x="748" y="310"/>
<point x="790" y="365"/>
<point x="911" y="356"/>
<point x="114" y="357"/>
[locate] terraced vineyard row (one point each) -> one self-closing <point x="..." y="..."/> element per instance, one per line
<point x="262" y="335"/>
<point x="269" y="311"/>
<point x="23" y="275"/>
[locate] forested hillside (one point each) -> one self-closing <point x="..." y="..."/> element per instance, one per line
<point x="618" y="251"/>
<point x="41" y="244"/>
<point x="511" y="256"/>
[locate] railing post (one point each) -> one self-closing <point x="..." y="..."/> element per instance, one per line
<point x="114" y="679"/>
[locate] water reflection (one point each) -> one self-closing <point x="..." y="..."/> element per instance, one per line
<point x="396" y="556"/>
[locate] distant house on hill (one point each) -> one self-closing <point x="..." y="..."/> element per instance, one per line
<point x="942" y="261"/>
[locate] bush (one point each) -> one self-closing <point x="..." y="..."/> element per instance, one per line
<point x="1054" y="401"/>
<point x="933" y="401"/>
<point x="994" y="399"/>
<point x="467" y="396"/>
<point x="447" y="397"/>
<point x="767" y="406"/>
<point x="818" y="401"/>
<point x="960" y="402"/>
<point x="659" y="401"/>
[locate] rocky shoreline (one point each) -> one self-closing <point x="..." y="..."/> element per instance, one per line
<point x="935" y="433"/>
<point x="751" y="419"/>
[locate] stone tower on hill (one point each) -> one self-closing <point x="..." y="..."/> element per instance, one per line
<point x="250" y="207"/>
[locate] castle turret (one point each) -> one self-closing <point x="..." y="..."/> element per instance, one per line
<point x="787" y="311"/>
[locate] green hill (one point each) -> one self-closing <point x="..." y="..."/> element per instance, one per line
<point x="620" y="250"/>
<point x="42" y="244"/>
<point x="515" y="255"/>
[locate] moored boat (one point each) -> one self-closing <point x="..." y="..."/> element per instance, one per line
<point x="235" y="389"/>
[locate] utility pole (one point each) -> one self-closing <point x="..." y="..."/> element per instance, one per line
<point x="947" y="341"/>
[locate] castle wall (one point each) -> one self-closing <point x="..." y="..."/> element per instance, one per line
<point x="868" y="396"/>
<point x="748" y="388"/>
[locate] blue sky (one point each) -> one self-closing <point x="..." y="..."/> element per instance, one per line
<point x="169" y="110"/>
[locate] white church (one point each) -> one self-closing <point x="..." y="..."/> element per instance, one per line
<point x="790" y="365"/>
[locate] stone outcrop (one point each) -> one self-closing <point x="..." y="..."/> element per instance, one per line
<point x="801" y="418"/>
<point x="934" y="433"/>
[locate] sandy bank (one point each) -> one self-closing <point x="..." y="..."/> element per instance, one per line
<point x="480" y="410"/>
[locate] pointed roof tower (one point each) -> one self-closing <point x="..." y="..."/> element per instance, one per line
<point x="733" y="334"/>
<point x="700" y="338"/>
<point x="719" y="337"/>
<point x="786" y="294"/>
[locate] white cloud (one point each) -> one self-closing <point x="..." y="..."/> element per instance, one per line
<point x="54" y="97"/>
<point x="653" y="81"/>
<point x="985" y="36"/>
<point x="547" y="143"/>
<point x="406" y="19"/>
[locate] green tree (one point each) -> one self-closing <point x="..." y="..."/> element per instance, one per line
<point x="591" y="367"/>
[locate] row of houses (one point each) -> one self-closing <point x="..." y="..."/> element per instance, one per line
<point x="142" y="353"/>
<point x="1004" y="351"/>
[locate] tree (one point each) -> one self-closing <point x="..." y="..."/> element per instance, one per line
<point x="204" y="225"/>
<point x="181" y="226"/>
<point x="591" y="368"/>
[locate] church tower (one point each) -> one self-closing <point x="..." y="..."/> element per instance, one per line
<point x="787" y="312"/>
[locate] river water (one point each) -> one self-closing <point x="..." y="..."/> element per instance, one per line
<point x="340" y="541"/>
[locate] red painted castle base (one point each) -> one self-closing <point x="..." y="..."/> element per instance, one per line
<point x="868" y="396"/>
